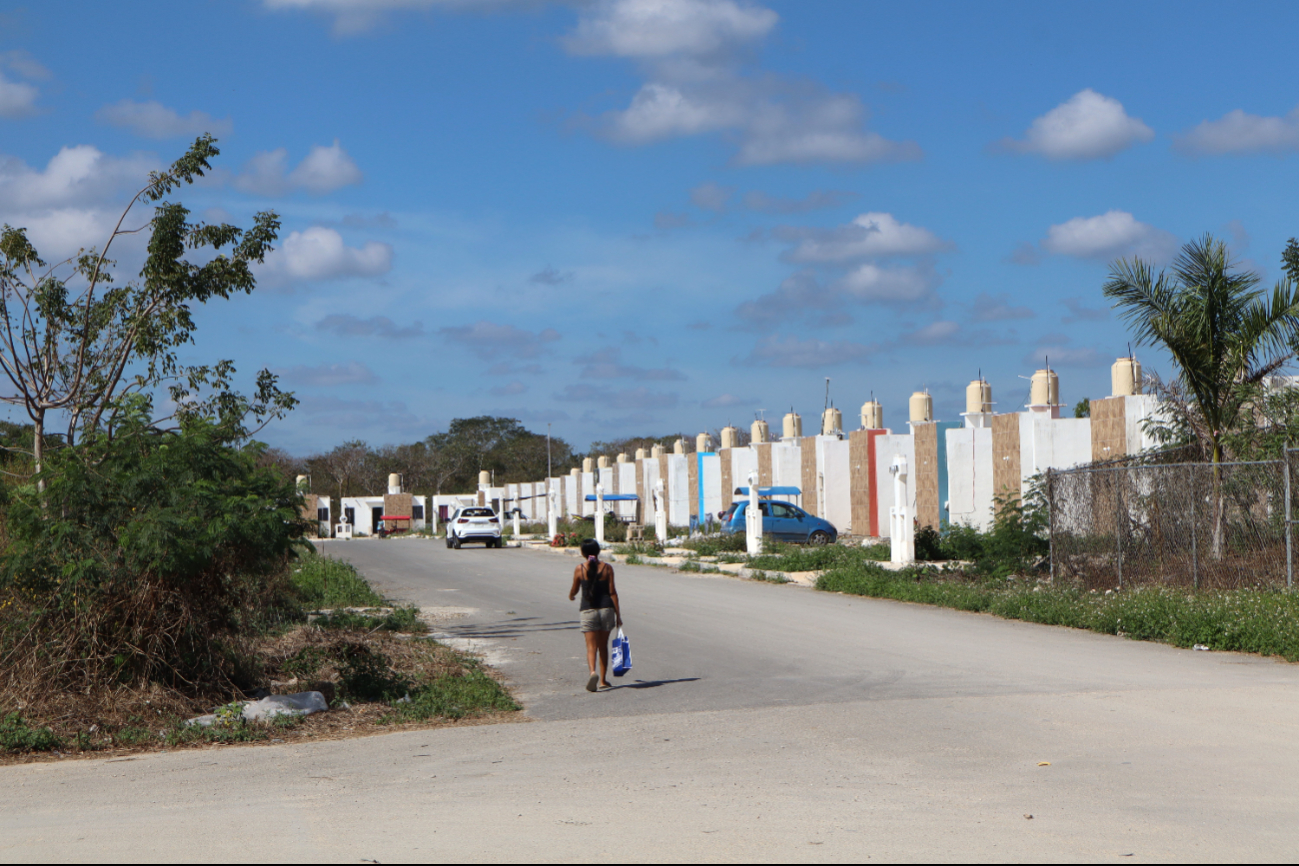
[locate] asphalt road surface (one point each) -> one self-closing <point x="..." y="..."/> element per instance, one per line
<point x="760" y="722"/>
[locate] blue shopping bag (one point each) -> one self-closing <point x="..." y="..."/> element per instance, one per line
<point x="621" y="654"/>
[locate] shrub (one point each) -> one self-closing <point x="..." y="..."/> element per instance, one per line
<point x="322" y="581"/>
<point x="17" y="736"/>
<point x="472" y="692"/>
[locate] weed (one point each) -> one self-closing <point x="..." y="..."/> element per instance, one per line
<point x="454" y="697"/>
<point x="768" y="578"/>
<point x="325" y="582"/>
<point x="402" y="619"/>
<point x="17" y="736"/>
<point x="366" y="674"/>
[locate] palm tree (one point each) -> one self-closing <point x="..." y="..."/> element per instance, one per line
<point x="1223" y="333"/>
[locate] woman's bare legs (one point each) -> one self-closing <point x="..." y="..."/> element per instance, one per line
<point x="602" y="640"/>
<point x="592" y="648"/>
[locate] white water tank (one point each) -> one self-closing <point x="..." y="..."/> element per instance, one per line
<point x="792" y="426"/>
<point x="575" y="472"/>
<point x="978" y="397"/>
<point x="622" y="458"/>
<point x="656" y="451"/>
<point x="730" y="437"/>
<point x="831" y="422"/>
<point x="1125" y="377"/>
<point x="588" y="464"/>
<point x="759" y="432"/>
<point x="394" y="482"/>
<point x="1044" y="389"/>
<point x="679" y="446"/>
<point x="872" y="415"/>
<point x="602" y="462"/>
<point x="922" y="407"/>
<point x="703" y="443"/>
<point x="302" y="484"/>
<point x="484" y="479"/>
<point x="640" y="454"/>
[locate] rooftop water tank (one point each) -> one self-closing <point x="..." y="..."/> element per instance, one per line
<point x="602" y="462"/>
<point x="792" y="426"/>
<point x="872" y="415"/>
<point x="588" y="464"/>
<point x="679" y="446"/>
<point x="640" y="454"/>
<point x="656" y="451"/>
<point x="759" y="432"/>
<point x="484" y="479"/>
<point x="831" y="422"/>
<point x="1044" y="389"/>
<point x="1125" y="377"/>
<point x="730" y="437"/>
<point x="978" y="397"/>
<point x="622" y="458"/>
<point x="303" y="483"/>
<point x="703" y="443"/>
<point x="575" y="472"/>
<point x="922" y="407"/>
<point x="394" y="482"/>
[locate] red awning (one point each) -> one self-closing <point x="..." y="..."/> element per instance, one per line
<point x="395" y="517"/>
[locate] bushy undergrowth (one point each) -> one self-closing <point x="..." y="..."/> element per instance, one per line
<point x="712" y="545"/>
<point x="148" y="558"/>
<point x="472" y="692"/>
<point x="17" y="736"/>
<point x="1256" y="621"/>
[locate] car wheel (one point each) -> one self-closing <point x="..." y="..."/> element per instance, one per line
<point x="456" y="542"/>
<point x="448" y="541"/>
<point x="819" y="537"/>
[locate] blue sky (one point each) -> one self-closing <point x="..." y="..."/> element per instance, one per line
<point x="642" y="217"/>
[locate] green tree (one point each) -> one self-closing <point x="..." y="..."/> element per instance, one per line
<point x="77" y="347"/>
<point x="1083" y="408"/>
<point x="1225" y="336"/>
<point x="1222" y="332"/>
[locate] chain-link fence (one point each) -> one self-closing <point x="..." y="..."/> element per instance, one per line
<point x="1194" y="525"/>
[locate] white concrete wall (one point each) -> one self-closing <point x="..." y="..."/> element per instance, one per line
<point x="969" y="477"/>
<point x="710" y="477"/>
<point x="626" y="484"/>
<point x="1136" y="409"/>
<point x="743" y="461"/>
<point x="834" y="477"/>
<point x="588" y="489"/>
<point x="571" y="505"/>
<point x="888" y="446"/>
<point x="679" y="489"/>
<point x="787" y="469"/>
<point x="1052" y="443"/>
<point x="650" y="467"/>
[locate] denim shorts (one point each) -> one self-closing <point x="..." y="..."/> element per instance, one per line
<point x="599" y="619"/>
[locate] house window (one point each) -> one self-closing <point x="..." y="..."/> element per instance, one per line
<point x="417" y="512"/>
<point x="322" y="514"/>
<point x="350" y="514"/>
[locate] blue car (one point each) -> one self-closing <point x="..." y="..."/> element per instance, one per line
<point x="784" y="521"/>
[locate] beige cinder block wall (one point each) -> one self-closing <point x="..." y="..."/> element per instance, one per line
<point x="728" y="483"/>
<point x="1006" y="474"/>
<point x="810" y="483"/>
<point x="928" y="508"/>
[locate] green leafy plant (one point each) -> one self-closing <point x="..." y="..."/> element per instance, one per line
<point x="17" y="736"/>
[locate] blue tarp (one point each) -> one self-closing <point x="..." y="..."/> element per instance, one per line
<point x="771" y="491"/>
<point x="614" y="497"/>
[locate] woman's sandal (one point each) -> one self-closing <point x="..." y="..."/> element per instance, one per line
<point x="592" y="682"/>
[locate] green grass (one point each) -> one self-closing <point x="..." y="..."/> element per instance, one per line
<point x="325" y="583"/>
<point x="712" y="545"/>
<point x="402" y="619"/>
<point x="17" y="736"/>
<point x="1255" y="621"/>
<point x="472" y="693"/>
<point x="792" y="557"/>
<point x="768" y="578"/>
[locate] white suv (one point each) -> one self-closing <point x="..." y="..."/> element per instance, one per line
<point x="474" y="523"/>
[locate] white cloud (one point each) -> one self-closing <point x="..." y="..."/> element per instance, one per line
<point x="816" y="200"/>
<point x="154" y="120"/>
<point x="69" y="204"/>
<point x="1238" y="132"/>
<point x="357" y="16"/>
<point x="320" y="254"/>
<point x="351" y="373"/>
<point x="1086" y="126"/>
<point x="347" y="325"/>
<point x="869" y="283"/>
<point x="17" y="98"/>
<point x="24" y="64"/>
<point x="988" y="308"/>
<point x="607" y="364"/>
<point x="489" y="341"/>
<point x="323" y="170"/>
<point x="871" y="235"/>
<point x="1109" y="236"/>
<point x="711" y="196"/>
<point x="660" y="111"/>
<point x="935" y="333"/>
<point x="657" y="28"/>
<point x="774" y="351"/>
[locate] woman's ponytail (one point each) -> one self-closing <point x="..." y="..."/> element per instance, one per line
<point x="591" y="550"/>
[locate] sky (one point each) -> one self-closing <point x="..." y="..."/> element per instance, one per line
<point x="648" y="217"/>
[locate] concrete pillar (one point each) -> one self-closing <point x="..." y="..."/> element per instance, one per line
<point x="902" y="540"/>
<point x="599" y="514"/>
<point x="753" y="519"/>
<point x="660" y="511"/>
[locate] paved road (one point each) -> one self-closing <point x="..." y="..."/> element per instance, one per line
<point x="760" y="722"/>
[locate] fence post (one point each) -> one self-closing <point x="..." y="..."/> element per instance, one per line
<point x="1050" y="522"/>
<point x="1195" y="555"/>
<point x="1289" y="559"/>
<point x="1118" y="521"/>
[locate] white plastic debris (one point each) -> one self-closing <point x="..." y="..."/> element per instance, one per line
<point x="1201" y="647"/>
<point x="299" y="704"/>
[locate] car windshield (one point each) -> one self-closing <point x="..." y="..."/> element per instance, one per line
<point x="478" y="512"/>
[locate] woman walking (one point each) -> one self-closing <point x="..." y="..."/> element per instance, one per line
<point x="600" y="611"/>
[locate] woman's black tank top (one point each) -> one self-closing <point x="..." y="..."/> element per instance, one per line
<point x="595" y="593"/>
